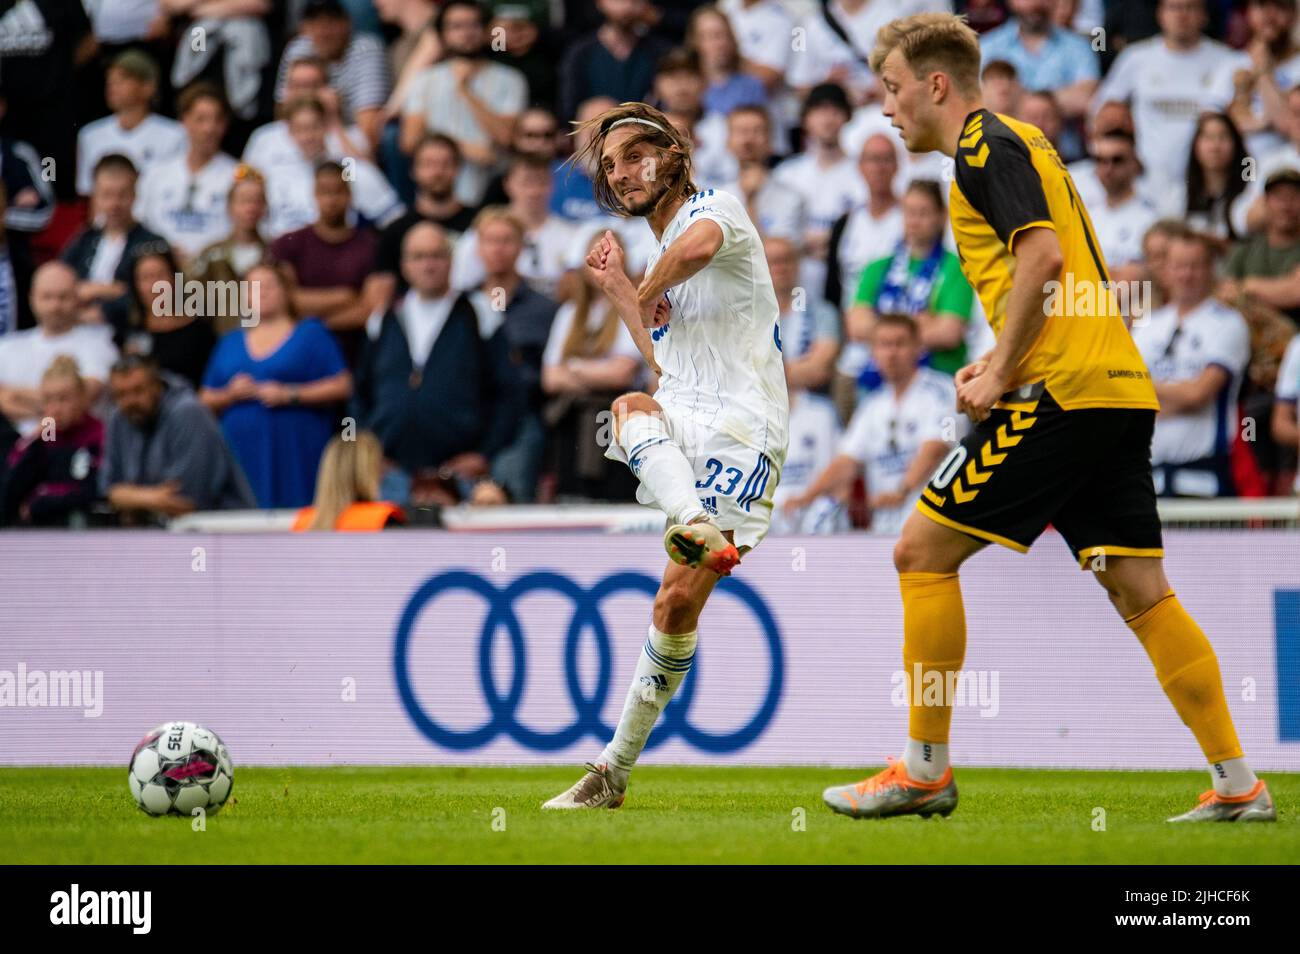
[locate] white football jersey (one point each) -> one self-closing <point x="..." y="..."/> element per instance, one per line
<point x="153" y="140"/>
<point x="186" y="208"/>
<point x="720" y="350"/>
<point x="1210" y="334"/>
<point x="887" y="431"/>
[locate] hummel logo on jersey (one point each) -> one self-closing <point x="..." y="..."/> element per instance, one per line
<point x="658" y="682"/>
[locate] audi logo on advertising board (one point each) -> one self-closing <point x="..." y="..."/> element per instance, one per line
<point x="502" y="625"/>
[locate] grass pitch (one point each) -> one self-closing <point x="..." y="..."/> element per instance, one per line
<point x="673" y="815"/>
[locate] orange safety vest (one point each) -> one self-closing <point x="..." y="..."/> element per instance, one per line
<point x="357" y="516"/>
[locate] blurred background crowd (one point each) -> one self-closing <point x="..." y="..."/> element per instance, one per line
<point x="384" y="185"/>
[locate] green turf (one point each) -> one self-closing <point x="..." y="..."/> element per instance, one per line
<point x="673" y="815"/>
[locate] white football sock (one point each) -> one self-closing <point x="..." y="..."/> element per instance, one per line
<point x="1232" y="777"/>
<point x="925" y="761"/>
<point x="665" y="661"/>
<point x="660" y="465"/>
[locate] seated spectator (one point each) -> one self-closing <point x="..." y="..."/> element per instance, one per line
<point x="617" y="60"/>
<point x="183" y="198"/>
<point x="1215" y="195"/>
<point x="271" y="146"/>
<point x="809" y="325"/>
<point x="829" y="53"/>
<point x="872" y="228"/>
<point x="1122" y="217"/>
<point x="1169" y="80"/>
<point x="435" y="390"/>
<point x="548" y="239"/>
<point x="524" y="316"/>
<point x="1260" y="84"/>
<point x="330" y="261"/>
<point x="467" y="97"/>
<point x="275" y="387"/>
<point x="822" y="174"/>
<point x="1045" y="56"/>
<point x="53" y="474"/>
<point x="536" y="133"/>
<point x="164" y="454"/>
<point x="590" y="359"/>
<point x="899" y="433"/>
<point x="1286" y="426"/>
<point x="103" y="251"/>
<point x="1196" y="350"/>
<point x="24" y="355"/>
<point x="290" y="184"/>
<point x="523" y="46"/>
<point x="357" y="64"/>
<point x="229" y="260"/>
<point x="1155" y="254"/>
<point x="235" y="32"/>
<point x="1040" y="108"/>
<point x="574" y="197"/>
<point x="1111" y="117"/>
<point x="763" y="31"/>
<point x="152" y="319"/>
<point x="709" y="35"/>
<point x="815" y="433"/>
<point x="434" y="167"/>
<point x="1286" y="156"/>
<point x="773" y="208"/>
<point x="1266" y="266"/>
<point x="1000" y="87"/>
<point x="921" y="279"/>
<point x="133" y="130"/>
<point x="347" y="488"/>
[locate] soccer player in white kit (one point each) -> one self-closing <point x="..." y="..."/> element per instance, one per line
<point x="709" y="445"/>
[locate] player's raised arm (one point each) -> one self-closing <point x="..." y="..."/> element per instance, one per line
<point x="687" y="254"/>
<point x="605" y="263"/>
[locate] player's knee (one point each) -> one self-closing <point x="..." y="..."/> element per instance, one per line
<point x="676" y="608"/>
<point x="909" y="554"/>
<point x="625" y="405"/>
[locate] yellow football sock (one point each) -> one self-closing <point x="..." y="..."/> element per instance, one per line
<point x="1188" y="672"/>
<point x="934" y="638"/>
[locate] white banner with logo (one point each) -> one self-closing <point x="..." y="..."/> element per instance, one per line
<point x="446" y="648"/>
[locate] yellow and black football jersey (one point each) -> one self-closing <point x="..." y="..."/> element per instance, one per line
<point x="1009" y="178"/>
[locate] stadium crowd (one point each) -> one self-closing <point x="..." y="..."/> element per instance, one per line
<point x="240" y="232"/>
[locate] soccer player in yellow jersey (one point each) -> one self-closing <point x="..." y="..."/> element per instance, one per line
<point x="1063" y="410"/>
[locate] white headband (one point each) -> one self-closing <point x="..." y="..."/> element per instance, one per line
<point x="637" y="119"/>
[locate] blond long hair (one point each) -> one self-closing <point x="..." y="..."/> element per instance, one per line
<point x="650" y="126"/>
<point x="349" y="473"/>
<point x="580" y="342"/>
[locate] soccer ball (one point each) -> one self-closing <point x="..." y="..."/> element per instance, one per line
<point x="179" y="767"/>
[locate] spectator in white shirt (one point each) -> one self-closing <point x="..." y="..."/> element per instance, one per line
<point x="827" y="179"/>
<point x="1196" y="350"/>
<point x="24" y="355"/>
<point x="467" y="97"/>
<point x="1169" y="79"/>
<point x="290" y="184"/>
<point x="132" y="130"/>
<point x="548" y="239"/>
<point x="898" y="434"/>
<point x="183" y="199"/>
<point x="1122" y="217"/>
<point x="271" y="144"/>
<point x="1215" y="194"/>
<point x="774" y="210"/>
<point x="1260" y="84"/>
<point x="357" y="63"/>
